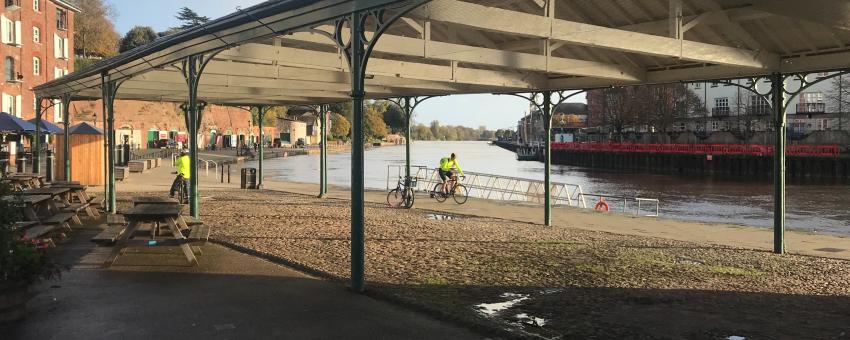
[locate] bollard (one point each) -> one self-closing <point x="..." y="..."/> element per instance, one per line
<point x="222" y="173"/>
<point x="48" y="168"/>
<point x="228" y="173"/>
<point x="22" y="164"/>
<point x="126" y="155"/>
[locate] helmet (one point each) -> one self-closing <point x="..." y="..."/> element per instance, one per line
<point x="184" y="152"/>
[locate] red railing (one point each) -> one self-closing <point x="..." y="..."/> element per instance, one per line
<point x="702" y="149"/>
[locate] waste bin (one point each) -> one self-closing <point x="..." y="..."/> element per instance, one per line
<point x="249" y="178"/>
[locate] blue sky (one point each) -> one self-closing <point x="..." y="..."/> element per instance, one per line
<point x="494" y="112"/>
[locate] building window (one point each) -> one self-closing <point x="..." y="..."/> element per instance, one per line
<point x="12" y="104"/>
<point x="57" y="110"/>
<point x="811" y="102"/>
<point x="61" y="19"/>
<point x="36" y="34"/>
<point x="10" y="69"/>
<point x="36" y="5"/>
<point x="713" y="85"/>
<point x="698" y="86"/>
<point x="758" y="106"/>
<point x="36" y="66"/>
<point x="721" y="106"/>
<point x="58" y="73"/>
<point x="11" y="31"/>
<point x="60" y="47"/>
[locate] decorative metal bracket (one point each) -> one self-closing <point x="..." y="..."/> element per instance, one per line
<point x="754" y="86"/>
<point x="409" y="103"/>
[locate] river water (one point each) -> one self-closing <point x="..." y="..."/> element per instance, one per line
<point x="822" y="207"/>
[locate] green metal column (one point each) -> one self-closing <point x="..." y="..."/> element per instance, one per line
<point x="192" y="69"/>
<point x="36" y="148"/>
<point x="66" y="102"/>
<point x="547" y="181"/>
<point x="261" y="114"/>
<point x="358" y="57"/>
<point x="408" y="112"/>
<point x="778" y="98"/>
<point x="323" y="152"/>
<point x="109" y="104"/>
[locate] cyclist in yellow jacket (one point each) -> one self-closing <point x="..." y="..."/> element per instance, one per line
<point x="446" y="165"/>
<point x="183" y="165"/>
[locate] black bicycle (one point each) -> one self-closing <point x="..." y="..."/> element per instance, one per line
<point x="457" y="191"/>
<point x="182" y="191"/>
<point x="402" y="196"/>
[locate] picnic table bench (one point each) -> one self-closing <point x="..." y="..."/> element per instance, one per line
<point x="47" y="211"/>
<point x="79" y="195"/>
<point x="36" y="227"/>
<point x="154" y="214"/>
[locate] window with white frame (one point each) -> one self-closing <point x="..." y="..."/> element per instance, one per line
<point x="11" y="31"/>
<point x="715" y="126"/>
<point x="36" y="35"/>
<point x="57" y="110"/>
<point x="36" y="5"/>
<point x="36" y="66"/>
<point x="60" y="47"/>
<point x="9" y="63"/>
<point x="61" y="19"/>
<point x="698" y="86"/>
<point x="12" y="104"/>
<point x="58" y="73"/>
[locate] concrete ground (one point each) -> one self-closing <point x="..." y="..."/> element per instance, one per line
<point x="151" y="294"/>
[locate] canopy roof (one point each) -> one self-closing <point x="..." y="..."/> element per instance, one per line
<point x="85" y="129"/>
<point x="10" y="123"/>
<point x="47" y="127"/>
<point x="274" y="53"/>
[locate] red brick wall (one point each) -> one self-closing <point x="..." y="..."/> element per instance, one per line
<point x="45" y="20"/>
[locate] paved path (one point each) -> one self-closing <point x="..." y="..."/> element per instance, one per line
<point x="230" y="295"/>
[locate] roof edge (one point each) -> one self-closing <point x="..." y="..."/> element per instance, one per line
<point x="68" y="5"/>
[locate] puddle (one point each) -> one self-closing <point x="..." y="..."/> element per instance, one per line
<point x="490" y="309"/>
<point x="524" y="319"/>
<point x="441" y="217"/>
<point x="735" y="337"/>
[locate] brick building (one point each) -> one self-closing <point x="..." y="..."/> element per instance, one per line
<point x="37" y="46"/>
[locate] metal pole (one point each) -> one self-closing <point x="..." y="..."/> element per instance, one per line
<point x="778" y="98"/>
<point x="36" y="149"/>
<point x="107" y="201"/>
<point x="261" y="114"/>
<point x="407" y="140"/>
<point x="358" y="55"/>
<point x="192" y="112"/>
<point x="547" y="126"/>
<point x="66" y="101"/>
<point x="323" y="152"/>
<point x="110" y="137"/>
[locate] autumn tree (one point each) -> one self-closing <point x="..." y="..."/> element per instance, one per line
<point x="340" y="127"/>
<point x="94" y="33"/>
<point x="373" y="124"/>
<point x="137" y="36"/>
<point x="394" y="117"/>
<point x="271" y="115"/>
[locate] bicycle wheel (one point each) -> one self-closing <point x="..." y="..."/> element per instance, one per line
<point x="394" y="198"/>
<point x="409" y="197"/>
<point x="460" y="194"/>
<point x="439" y="195"/>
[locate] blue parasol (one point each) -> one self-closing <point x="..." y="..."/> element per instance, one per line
<point x="10" y="123"/>
<point x="48" y="127"/>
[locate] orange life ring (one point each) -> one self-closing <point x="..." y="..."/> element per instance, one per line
<point x="601" y="205"/>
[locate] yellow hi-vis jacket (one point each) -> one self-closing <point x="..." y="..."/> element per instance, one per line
<point x="447" y="164"/>
<point x="183" y="165"/>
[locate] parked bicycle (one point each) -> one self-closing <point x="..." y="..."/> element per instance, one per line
<point x="457" y="191"/>
<point x="402" y="196"/>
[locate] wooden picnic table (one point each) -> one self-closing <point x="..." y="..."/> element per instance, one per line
<point x="154" y="200"/>
<point x="154" y="214"/>
<point x="41" y="211"/>
<point x="78" y="191"/>
<point x="61" y="193"/>
<point x="34" y="180"/>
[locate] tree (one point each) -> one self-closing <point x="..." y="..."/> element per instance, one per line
<point x="340" y="127"/>
<point x="190" y="18"/>
<point x="421" y="132"/>
<point x="394" y="117"/>
<point x="435" y="130"/>
<point x="838" y="98"/>
<point x="137" y="36"/>
<point x="271" y="116"/>
<point x="94" y="33"/>
<point x="373" y="124"/>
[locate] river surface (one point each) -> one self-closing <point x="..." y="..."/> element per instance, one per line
<point x="822" y="207"/>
